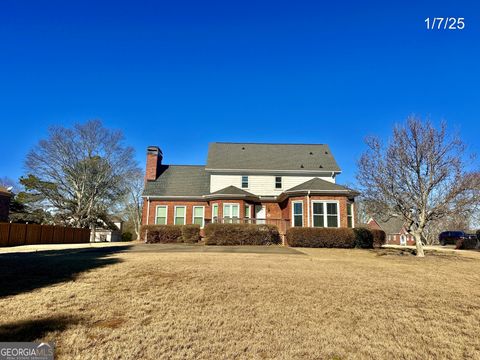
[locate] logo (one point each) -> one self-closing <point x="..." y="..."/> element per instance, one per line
<point x="26" y="351"/>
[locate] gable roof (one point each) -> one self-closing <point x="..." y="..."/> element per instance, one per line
<point x="179" y="180"/>
<point x="392" y="225"/>
<point x="232" y="190"/>
<point x="317" y="184"/>
<point x="254" y="156"/>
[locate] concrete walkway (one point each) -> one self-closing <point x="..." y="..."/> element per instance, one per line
<point x="53" y="247"/>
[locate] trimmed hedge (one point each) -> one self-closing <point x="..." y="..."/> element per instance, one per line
<point x="364" y="238"/>
<point x="335" y="237"/>
<point x="191" y="233"/>
<point x="379" y="237"/>
<point x="165" y="234"/>
<point x="241" y="234"/>
<point x="321" y="237"/>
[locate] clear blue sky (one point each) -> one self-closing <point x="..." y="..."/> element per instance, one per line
<point x="180" y="74"/>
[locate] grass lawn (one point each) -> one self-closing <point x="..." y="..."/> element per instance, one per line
<point x="323" y="304"/>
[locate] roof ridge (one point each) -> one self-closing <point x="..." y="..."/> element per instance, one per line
<point x="264" y="143"/>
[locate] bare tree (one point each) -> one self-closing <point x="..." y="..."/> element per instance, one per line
<point x="133" y="201"/>
<point x="80" y="173"/>
<point x="420" y="175"/>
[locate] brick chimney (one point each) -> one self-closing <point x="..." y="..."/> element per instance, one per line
<point x="154" y="160"/>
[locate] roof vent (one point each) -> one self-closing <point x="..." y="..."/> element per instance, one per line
<point x="326" y="152"/>
<point x="243" y="147"/>
<point x="311" y="153"/>
<point x="302" y="166"/>
<point x="321" y="166"/>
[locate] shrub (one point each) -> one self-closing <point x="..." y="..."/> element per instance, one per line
<point x="469" y="243"/>
<point x="241" y="234"/>
<point x="127" y="236"/>
<point x="379" y="237"/>
<point x="321" y="237"/>
<point x="161" y="233"/>
<point x="363" y="238"/>
<point x="191" y="233"/>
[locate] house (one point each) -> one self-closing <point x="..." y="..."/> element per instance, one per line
<point x="108" y="232"/>
<point x="4" y="203"/>
<point x="281" y="184"/>
<point x="394" y="227"/>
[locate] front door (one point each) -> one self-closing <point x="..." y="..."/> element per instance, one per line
<point x="260" y="214"/>
<point x="403" y="240"/>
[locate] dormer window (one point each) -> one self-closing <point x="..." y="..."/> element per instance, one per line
<point x="278" y="182"/>
<point x="244" y="182"/>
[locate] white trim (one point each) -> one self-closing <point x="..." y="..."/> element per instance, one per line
<point x="203" y="214"/>
<point x="175" y="214"/>
<point x="293" y="214"/>
<point x="353" y="213"/>
<point x="166" y="213"/>
<point x="148" y="208"/>
<point x="275" y="182"/>
<point x="231" y="214"/>
<point x="241" y="182"/>
<point x="325" y="215"/>
<point x="249" y="211"/>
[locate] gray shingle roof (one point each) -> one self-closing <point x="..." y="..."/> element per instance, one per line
<point x="232" y="190"/>
<point x="179" y="180"/>
<point x="301" y="157"/>
<point x="317" y="184"/>
<point x="392" y="225"/>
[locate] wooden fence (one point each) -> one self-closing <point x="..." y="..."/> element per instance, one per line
<point x="32" y="234"/>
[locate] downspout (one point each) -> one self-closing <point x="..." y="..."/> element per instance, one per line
<point x="148" y="215"/>
<point x="308" y="209"/>
<point x="148" y="208"/>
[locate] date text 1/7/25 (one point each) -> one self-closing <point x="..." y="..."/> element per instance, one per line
<point x="448" y="23"/>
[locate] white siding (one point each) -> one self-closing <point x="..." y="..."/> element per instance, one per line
<point x="260" y="184"/>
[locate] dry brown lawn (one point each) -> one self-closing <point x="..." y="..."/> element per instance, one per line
<point x="326" y="304"/>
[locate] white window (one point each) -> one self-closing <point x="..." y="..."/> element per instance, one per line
<point x="325" y="214"/>
<point x="297" y="213"/>
<point x="231" y="212"/>
<point x="161" y="215"/>
<point x="214" y="212"/>
<point x="199" y="215"/>
<point x="278" y="182"/>
<point x="350" y="215"/>
<point x="180" y="212"/>
<point x="248" y="211"/>
<point x="244" y="182"/>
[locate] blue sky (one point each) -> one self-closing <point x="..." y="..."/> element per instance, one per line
<point x="180" y="74"/>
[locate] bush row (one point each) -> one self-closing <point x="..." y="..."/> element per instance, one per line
<point x="335" y="237"/>
<point x="241" y="234"/>
<point x="170" y="233"/>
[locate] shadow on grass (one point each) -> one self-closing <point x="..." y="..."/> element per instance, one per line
<point x="30" y="330"/>
<point x="23" y="272"/>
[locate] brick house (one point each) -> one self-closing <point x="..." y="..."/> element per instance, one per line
<point x="281" y="184"/>
<point x="394" y="227"/>
<point x="4" y="204"/>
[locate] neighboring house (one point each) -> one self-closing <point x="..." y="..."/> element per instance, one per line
<point x="281" y="184"/>
<point x="394" y="227"/>
<point x="107" y="234"/>
<point x="4" y="203"/>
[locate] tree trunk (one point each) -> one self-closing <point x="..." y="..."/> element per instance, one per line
<point x="418" y="244"/>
